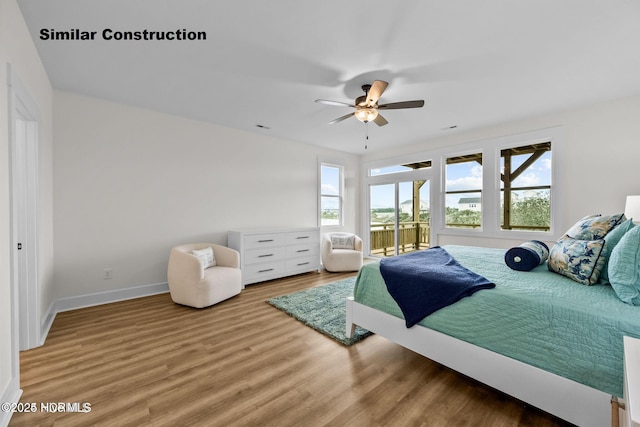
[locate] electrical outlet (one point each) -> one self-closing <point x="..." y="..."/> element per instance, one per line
<point x="108" y="273"/>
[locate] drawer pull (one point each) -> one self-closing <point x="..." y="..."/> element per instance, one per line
<point x="303" y="250"/>
<point x="265" y="241"/>
<point x="303" y="263"/>
<point x="303" y="237"/>
<point x="264" y="256"/>
<point x="265" y="271"/>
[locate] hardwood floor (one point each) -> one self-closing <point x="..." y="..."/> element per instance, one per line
<point x="150" y="362"/>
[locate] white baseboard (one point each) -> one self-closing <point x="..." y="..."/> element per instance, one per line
<point x="106" y="297"/>
<point x="10" y="395"/>
<point x="99" y="298"/>
<point x="47" y="322"/>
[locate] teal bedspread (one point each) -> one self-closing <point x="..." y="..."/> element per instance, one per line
<point x="538" y="317"/>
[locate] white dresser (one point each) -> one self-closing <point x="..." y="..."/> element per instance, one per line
<point x="270" y="253"/>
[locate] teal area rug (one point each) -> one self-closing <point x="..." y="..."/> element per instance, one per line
<point x="323" y="309"/>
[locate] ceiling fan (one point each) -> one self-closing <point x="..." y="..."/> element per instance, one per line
<point x="367" y="105"/>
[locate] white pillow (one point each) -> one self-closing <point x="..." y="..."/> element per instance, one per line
<point x="343" y="241"/>
<point x="205" y="256"/>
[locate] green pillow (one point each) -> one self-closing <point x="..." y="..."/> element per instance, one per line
<point x="610" y="242"/>
<point x="624" y="267"/>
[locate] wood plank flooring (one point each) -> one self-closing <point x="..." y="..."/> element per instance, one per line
<point x="150" y="362"/>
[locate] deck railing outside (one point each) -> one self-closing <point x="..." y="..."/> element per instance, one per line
<point x="413" y="236"/>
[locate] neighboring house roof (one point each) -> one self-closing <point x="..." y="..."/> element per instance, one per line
<point x="470" y="200"/>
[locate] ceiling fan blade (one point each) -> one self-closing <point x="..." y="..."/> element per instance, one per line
<point x="338" y="103"/>
<point x="339" y="119"/>
<point x="403" y="104"/>
<point x="375" y="92"/>
<point x="380" y="121"/>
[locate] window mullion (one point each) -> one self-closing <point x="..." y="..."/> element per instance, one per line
<point x="491" y="193"/>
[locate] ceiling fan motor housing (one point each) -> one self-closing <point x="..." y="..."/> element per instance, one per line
<point x="366" y="106"/>
<point x="361" y="101"/>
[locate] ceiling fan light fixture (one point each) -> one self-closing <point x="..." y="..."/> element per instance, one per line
<point x="366" y="106"/>
<point x="366" y="114"/>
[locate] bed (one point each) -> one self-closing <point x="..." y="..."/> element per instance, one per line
<point x="537" y="336"/>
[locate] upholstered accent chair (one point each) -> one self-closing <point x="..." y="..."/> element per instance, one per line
<point x="341" y="252"/>
<point x="203" y="274"/>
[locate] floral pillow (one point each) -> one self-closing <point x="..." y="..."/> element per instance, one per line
<point x="595" y="227"/>
<point x="577" y="259"/>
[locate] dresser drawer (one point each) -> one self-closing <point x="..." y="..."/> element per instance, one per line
<point x="260" y="255"/>
<point x="302" y="237"/>
<point x="302" y="264"/>
<point x="253" y="241"/>
<point x="264" y="271"/>
<point x="303" y="250"/>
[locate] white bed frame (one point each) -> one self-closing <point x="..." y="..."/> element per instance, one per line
<point x="564" y="398"/>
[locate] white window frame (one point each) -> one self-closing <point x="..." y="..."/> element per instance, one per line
<point x="490" y="149"/>
<point x="552" y="188"/>
<point x="442" y="211"/>
<point x="340" y="196"/>
<point x="427" y="174"/>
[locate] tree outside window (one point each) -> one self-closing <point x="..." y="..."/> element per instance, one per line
<point x="525" y="189"/>
<point x="525" y="175"/>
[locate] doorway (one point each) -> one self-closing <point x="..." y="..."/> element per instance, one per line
<point x="24" y="147"/>
<point x="399" y="217"/>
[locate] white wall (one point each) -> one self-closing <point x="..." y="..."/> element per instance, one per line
<point x="597" y="161"/>
<point x="131" y="183"/>
<point x="17" y="49"/>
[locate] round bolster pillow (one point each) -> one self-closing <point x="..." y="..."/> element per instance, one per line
<point x="527" y="256"/>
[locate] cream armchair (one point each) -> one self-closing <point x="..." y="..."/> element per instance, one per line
<point x="341" y="252"/>
<point x="190" y="284"/>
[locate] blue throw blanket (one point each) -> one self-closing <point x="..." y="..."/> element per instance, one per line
<point x="425" y="281"/>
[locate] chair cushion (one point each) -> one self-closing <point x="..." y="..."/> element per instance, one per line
<point x="343" y="241"/>
<point x="205" y="256"/>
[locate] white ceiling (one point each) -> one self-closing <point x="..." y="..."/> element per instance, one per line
<point x="475" y="63"/>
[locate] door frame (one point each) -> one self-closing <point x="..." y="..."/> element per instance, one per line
<point x="395" y="179"/>
<point x="24" y="179"/>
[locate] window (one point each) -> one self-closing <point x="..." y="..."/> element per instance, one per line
<point x="331" y="189"/>
<point x="525" y="184"/>
<point x="495" y="188"/>
<point x="463" y="205"/>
